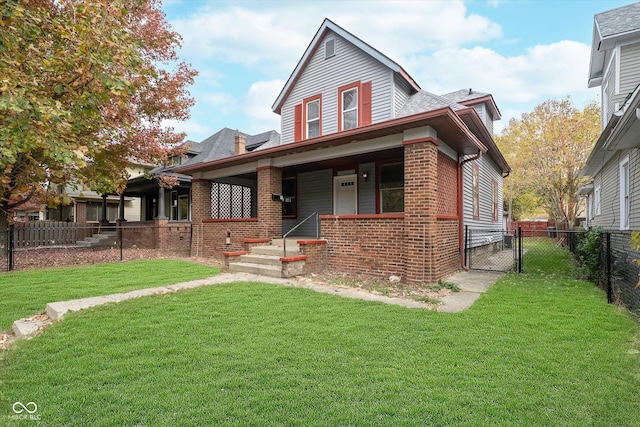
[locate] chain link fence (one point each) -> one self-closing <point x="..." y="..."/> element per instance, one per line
<point x="618" y="272"/>
<point x="50" y="244"/>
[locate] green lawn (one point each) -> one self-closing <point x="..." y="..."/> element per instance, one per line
<point x="538" y="349"/>
<point x="25" y="293"/>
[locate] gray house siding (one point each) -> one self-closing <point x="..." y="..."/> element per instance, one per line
<point x="485" y="115"/>
<point x="608" y="90"/>
<point x="629" y="68"/>
<point x="402" y="91"/>
<point x="315" y="193"/>
<point x="367" y="189"/>
<point x="325" y="76"/>
<point x="488" y="173"/>
<point x="609" y="180"/>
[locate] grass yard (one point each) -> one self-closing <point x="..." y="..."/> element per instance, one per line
<point x="25" y="293"/>
<point x="538" y="349"/>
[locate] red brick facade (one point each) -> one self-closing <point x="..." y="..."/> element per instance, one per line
<point x="371" y="245"/>
<point x="447" y="185"/>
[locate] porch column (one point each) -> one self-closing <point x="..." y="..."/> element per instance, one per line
<point x="269" y="210"/>
<point x="420" y="208"/>
<point x="121" y="207"/>
<point x="103" y="212"/>
<point x="161" y="214"/>
<point x="200" y="209"/>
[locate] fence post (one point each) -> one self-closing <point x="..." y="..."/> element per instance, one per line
<point x="10" y="245"/>
<point x="519" y="249"/>
<point x="609" y="285"/>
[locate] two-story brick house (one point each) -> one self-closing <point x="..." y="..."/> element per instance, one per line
<point x="613" y="198"/>
<point x="392" y="172"/>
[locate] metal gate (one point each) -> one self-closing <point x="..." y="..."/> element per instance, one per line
<point x="493" y="250"/>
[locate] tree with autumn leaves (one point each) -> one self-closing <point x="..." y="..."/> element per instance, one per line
<point x="546" y="150"/>
<point x="84" y="90"/>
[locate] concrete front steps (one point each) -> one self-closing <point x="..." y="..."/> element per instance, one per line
<point x="104" y="238"/>
<point x="269" y="260"/>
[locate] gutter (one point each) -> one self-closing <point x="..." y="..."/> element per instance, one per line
<point x="461" y="208"/>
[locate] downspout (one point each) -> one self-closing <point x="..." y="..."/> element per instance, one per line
<point x="461" y="206"/>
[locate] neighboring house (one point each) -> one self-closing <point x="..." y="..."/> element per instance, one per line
<point x="174" y="204"/>
<point x="393" y="172"/>
<point x="613" y="199"/>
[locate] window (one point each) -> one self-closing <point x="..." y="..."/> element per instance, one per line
<point x="329" y="48"/>
<point x="94" y="211"/>
<point x="313" y="119"/>
<point x="596" y="201"/>
<point x="354" y="107"/>
<point x="349" y="108"/>
<point x="289" y="194"/>
<point x="494" y="201"/>
<point x="475" y="191"/>
<point x="392" y="188"/>
<point x="624" y="193"/>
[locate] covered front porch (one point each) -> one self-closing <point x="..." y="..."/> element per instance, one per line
<point x="375" y="203"/>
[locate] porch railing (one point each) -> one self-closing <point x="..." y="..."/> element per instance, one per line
<point x="284" y="237"/>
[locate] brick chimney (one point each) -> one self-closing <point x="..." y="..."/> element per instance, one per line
<point x="240" y="144"/>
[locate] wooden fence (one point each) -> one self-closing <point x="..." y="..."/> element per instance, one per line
<point x="50" y="233"/>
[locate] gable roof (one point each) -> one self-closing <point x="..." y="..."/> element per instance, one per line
<point x="611" y="27"/>
<point x="470" y="97"/>
<point x="328" y="25"/>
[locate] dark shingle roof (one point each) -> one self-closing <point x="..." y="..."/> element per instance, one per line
<point x="423" y="101"/>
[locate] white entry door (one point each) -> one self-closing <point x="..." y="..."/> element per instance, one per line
<point x="345" y="194"/>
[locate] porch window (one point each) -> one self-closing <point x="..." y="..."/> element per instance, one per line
<point x="624" y="193"/>
<point x="289" y="192"/>
<point x="475" y="191"/>
<point x="392" y="188"/>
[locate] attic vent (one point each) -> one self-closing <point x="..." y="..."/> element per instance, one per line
<point x="329" y="48"/>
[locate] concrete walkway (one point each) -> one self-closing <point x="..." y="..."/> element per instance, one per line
<point x="471" y="283"/>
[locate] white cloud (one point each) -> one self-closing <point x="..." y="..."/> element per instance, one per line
<point x="257" y="106"/>
<point x="191" y="127"/>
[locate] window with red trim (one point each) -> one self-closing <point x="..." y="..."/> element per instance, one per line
<point x="354" y="107"/>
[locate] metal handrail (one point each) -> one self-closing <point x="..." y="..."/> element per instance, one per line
<point x="284" y="236"/>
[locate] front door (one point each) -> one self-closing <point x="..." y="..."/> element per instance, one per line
<point x="345" y="195"/>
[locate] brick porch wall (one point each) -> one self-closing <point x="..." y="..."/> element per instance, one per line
<point x="370" y="245"/>
<point x="447" y="256"/>
<point x="212" y="236"/>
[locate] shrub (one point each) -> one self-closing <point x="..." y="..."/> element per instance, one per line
<point x="588" y="253"/>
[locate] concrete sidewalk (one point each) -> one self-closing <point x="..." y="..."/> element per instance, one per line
<point x="471" y="283"/>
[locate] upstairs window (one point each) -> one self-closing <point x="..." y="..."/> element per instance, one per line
<point x="350" y="109"/>
<point x="354" y="107"/>
<point x="313" y="118"/>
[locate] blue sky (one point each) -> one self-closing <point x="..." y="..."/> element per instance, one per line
<point x="523" y="52"/>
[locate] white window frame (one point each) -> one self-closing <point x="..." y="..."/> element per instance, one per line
<point x="343" y="111"/>
<point x="597" y="201"/>
<point x="624" y="193"/>
<point x="309" y="121"/>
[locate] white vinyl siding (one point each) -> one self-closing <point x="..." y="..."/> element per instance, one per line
<point x="608" y="91"/>
<point x="488" y="172"/>
<point x="324" y="76"/>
